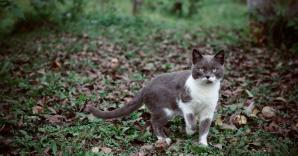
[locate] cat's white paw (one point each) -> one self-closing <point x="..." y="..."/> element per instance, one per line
<point x="203" y="143"/>
<point x="168" y="141"/>
<point x="163" y="142"/>
<point x="189" y="131"/>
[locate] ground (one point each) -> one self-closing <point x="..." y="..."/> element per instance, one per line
<point x="48" y="75"/>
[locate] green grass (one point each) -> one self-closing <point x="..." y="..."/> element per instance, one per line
<point x="86" y="46"/>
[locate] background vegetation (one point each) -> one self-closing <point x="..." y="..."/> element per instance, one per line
<point x="57" y="56"/>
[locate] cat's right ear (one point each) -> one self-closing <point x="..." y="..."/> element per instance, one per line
<point x="196" y="56"/>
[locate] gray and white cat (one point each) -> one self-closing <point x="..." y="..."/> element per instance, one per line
<point x="192" y="94"/>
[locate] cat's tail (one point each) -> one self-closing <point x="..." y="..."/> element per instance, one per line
<point x="133" y="105"/>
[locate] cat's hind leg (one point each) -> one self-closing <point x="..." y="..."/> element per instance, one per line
<point x="158" y="121"/>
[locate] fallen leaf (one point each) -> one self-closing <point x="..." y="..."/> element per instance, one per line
<point x="147" y="147"/>
<point x="218" y="121"/>
<point x="250" y="95"/>
<point x="106" y="150"/>
<point x="95" y="149"/>
<point x="228" y="126"/>
<point x="114" y="63"/>
<point x="219" y="146"/>
<point x="227" y="93"/>
<point x="238" y="119"/>
<point x="55" y="119"/>
<point x="243" y="120"/>
<point x="52" y="110"/>
<point x="37" y="109"/>
<point x="46" y="151"/>
<point x="254" y="113"/>
<point x="149" y="66"/>
<point x="233" y="140"/>
<point x="273" y="127"/>
<point x="56" y="65"/>
<point x="249" y="105"/>
<point x="127" y="99"/>
<point x="281" y="99"/>
<point x="268" y="112"/>
<point x="138" y="154"/>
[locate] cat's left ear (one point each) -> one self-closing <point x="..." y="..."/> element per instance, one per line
<point x="196" y="56"/>
<point x="220" y="57"/>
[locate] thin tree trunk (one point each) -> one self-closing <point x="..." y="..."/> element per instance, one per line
<point x="136" y="6"/>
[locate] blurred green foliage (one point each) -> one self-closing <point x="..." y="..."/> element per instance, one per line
<point x="186" y="8"/>
<point x="278" y="29"/>
<point x="36" y="12"/>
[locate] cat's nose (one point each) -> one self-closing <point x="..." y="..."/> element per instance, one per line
<point x="207" y="76"/>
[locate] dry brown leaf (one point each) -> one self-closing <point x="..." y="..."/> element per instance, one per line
<point x="147" y="147"/>
<point x="227" y="93"/>
<point x="228" y="126"/>
<point x="219" y="146"/>
<point x="95" y="149"/>
<point x="249" y="105"/>
<point x="37" y="109"/>
<point x="218" y="121"/>
<point x="243" y="120"/>
<point x="46" y="151"/>
<point x="238" y="119"/>
<point x="273" y="127"/>
<point x="114" y="63"/>
<point x="255" y="112"/>
<point x="233" y="140"/>
<point x="55" y="118"/>
<point x="56" y="64"/>
<point x="127" y="99"/>
<point x="106" y="150"/>
<point x="52" y="110"/>
<point x="138" y="154"/>
<point x="281" y="99"/>
<point x="149" y="67"/>
<point x="268" y="112"/>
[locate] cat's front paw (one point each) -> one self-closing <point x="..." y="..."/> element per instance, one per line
<point x="203" y="143"/>
<point x="163" y="142"/>
<point x="190" y="131"/>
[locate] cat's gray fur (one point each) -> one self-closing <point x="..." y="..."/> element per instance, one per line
<point x="164" y="92"/>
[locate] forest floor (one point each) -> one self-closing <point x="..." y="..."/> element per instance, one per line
<point x="48" y="75"/>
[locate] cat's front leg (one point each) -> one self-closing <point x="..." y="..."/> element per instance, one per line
<point x="190" y="122"/>
<point x="204" y="125"/>
<point x="189" y="117"/>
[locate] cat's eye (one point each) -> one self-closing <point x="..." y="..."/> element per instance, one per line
<point x="213" y="70"/>
<point x="201" y="70"/>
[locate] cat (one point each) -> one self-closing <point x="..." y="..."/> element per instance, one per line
<point x="192" y="94"/>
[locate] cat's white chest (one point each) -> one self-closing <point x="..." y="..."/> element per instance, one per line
<point x="202" y="96"/>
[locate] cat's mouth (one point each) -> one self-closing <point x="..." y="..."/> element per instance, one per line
<point x="209" y="81"/>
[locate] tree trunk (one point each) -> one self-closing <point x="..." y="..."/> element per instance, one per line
<point x="269" y="21"/>
<point x="136" y="6"/>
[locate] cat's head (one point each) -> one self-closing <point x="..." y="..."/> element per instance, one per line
<point x="207" y="69"/>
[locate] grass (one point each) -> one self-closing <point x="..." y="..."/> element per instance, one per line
<point x="83" y="49"/>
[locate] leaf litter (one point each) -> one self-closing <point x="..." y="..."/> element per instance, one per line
<point x="252" y="82"/>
